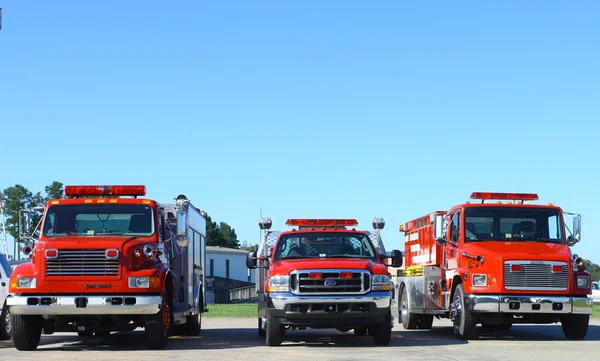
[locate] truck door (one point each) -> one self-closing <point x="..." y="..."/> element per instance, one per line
<point x="5" y="271"/>
<point x="452" y="251"/>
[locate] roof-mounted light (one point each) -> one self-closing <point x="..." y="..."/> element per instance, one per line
<point x="505" y="196"/>
<point x="265" y="223"/>
<point x="378" y="223"/>
<point x="129" y="190"/>
<point x="322" y="222"/>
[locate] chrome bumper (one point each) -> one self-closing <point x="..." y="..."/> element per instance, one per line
<point x="281" y="300"/>
<point x="92" y="305"/>
<point x="529" y="304"/>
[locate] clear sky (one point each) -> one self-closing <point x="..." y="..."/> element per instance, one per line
<point x="308" y="108"/>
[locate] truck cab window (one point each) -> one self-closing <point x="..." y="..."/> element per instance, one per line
<point x="455" y="227"/>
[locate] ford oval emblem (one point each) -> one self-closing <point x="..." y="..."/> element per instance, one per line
<point x="330" y="283"/>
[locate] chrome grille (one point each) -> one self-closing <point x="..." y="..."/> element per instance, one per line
<point x="330" y="282"/>
<point x="536" y="275"/>
<point x="82" y="262"/>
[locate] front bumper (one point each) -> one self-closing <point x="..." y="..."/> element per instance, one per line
<point x="328" y="310"/>
<point x="534" y="304"/>
<point x="63" y="305"/>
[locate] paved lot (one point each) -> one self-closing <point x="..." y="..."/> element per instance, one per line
<point x="236" y="339"/>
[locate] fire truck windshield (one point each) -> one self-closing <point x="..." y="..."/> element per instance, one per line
<point x="324" y="244"/>
<point x="513" y="223"/>
<point x="96" y="219"/>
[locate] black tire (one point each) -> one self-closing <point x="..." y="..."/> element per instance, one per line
<point x="102" y="333"/>
<point x="361" y="331"/>
<point x="27" y="331"/>
<point x="464" y="322"/>
<point x="425" y="322"/>
<point x="575" y="326"/>
<point x="85" y="333"/>
<point x="5" y="324"/>
<point x="158" y="327"/>
<point x="382" y="332"/>
<point x="273" y="336"/>
<point x="193" y="324"/>
<point x="492" y="327"/>
<point x="410" y="321"/>
<point x="261" y="330"/>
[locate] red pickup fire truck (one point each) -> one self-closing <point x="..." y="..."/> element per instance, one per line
<point x="323" y="275"/>
<point x="494" y="263"/>
<point x="107" y="262"/>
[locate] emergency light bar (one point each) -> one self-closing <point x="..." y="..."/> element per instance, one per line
<point x="322" y="222"/>
<point x="505" y="196"/>
<point x="75" y="191"/>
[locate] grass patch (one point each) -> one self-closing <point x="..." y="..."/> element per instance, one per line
<point x="596" y="310"/>
<point x="235" y="310"/>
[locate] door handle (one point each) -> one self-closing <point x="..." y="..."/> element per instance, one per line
<point x="3" y="284"/>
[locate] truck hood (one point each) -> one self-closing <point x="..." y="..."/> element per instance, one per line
<point x="286" y="266"/>
<point x="79" y="242"/>
<point x="503" y="250"/>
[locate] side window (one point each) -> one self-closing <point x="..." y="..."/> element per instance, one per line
<point x="160" y="227"/>
<point x="455" y="236"/>
<point x="554" y="231"/>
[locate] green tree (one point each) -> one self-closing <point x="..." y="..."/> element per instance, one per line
<point x="220" y="234"/>
<point x="246" y="246"/>
<point x="17" y="198"/>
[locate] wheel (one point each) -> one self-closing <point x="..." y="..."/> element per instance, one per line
<point x="464" y="322"/>
<point x="102" y="333"/>
<point x="85" y="333"/>
<point x="575" y="326"/>
<point x="382" y="332"/>
<point x="193" y="324"/>
<point x="491" y="327"/>
<point x="5" y="324"/>
<point x="158" y="326"/>
<point x="409" y="320"/>
<point x="273" y="336"/>
<point x="425" y="322"/>
<point x="361" y="331"/>
<point x="261" y="330"/>
<point x="27" y="331"/>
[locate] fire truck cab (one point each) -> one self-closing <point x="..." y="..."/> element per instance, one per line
<point x="496" y="264"/>
<point x="105" y="260"/>
<point x="323" y="274"/>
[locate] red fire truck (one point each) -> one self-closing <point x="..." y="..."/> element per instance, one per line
<point x="496" y="264"/>
<point x="105" y="260"/>
<point x="323" y="274"/>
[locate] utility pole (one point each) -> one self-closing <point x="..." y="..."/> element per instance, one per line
<point x="3" y="237"/>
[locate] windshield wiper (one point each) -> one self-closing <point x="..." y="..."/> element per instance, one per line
<point x="346" y="256"/>
<point x="297" y="257"/>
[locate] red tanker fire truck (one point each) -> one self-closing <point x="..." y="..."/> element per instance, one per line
<point x="494" y="263"/>
<point x="106" y="262"/>
<point x="323" y="275"/>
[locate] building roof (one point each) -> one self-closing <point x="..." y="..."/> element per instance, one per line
<point x="219" y="249"/>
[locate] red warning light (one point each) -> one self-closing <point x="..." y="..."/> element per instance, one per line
<point x="74" y="191"/>
<point x="322" y="222"/>
<point x="505" y="196"/>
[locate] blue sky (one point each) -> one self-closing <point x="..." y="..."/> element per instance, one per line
<point x="307" y="108"/>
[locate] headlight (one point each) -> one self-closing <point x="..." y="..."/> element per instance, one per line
<point x="26" y="283"/>
<point x="143" y="282"/>
<point x="479" y="280"/>
<point x="583" y="282"/>
<point x="381" y="283"/>
<point x="278" y="284"/>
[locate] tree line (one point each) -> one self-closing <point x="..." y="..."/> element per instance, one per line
<point x="19" y="197"/>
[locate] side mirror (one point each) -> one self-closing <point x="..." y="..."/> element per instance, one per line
<point x="396" y="258"/>
<point x="576" y="236"/>
<point x="24" y="224"/>
<point x="182" y="239"/>
<point x="439" y="229"/>
<point x="251" y="260"/>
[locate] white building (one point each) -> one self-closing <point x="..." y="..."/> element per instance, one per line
<point x="229" y="265"/>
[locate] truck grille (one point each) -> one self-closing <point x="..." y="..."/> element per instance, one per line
<point x="330" y="282"/>
<point x="82" y="262"/>
<point x="536" y="275"/>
